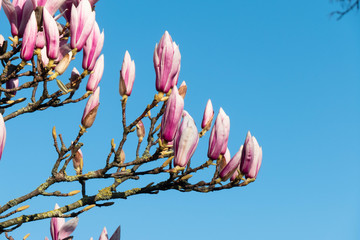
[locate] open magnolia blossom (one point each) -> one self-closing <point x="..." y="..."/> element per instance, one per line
<point x="48" y="36"/>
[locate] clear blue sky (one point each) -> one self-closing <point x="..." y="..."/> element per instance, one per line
<point x="284" y="70"/>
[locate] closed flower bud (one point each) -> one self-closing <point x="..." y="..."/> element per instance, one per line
<point x="172" y="115"/>
<point x="78" y="162"/>
<point x="10" y="84"/>
<point x="74" y="74"/>
<point x="183" y="89"/>
<point x="225" y="160"/>
<point x="82" y="22"/>
<point x="92" y="48"/>
<point x="208" y="116"/>
<point x="104" y="235"/>
<point x="116" y="234"/>
<point x="29" y="39"/>
<point x="51" y="34"/>
<point x="18" y="14"/>
<point x="219" y="135"/>
<point x="122" y="156"/>
<point x="140" y="130"/>
<point x="127" y="75"/>
<point x="64" y="63"/>
<point x="44" y="57"/>
<point x="251" y="157"/>
<point x="96" y="76"/>
<point x="166" y="63"/>
<point x="186" y="141"/>
<point x="2" y="135"/>
<point x="91" y="109"/>
<point x="231" y="166"/>
<point x="74" y="78"/>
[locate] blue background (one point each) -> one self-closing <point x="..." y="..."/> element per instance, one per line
<point x="285" y="70"/>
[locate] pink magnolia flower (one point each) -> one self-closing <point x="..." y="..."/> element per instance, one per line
<point x="96" y="76"/>
<point x="166" y="63"/>
<point x="29" y="39"/>
<point x="44" y="57"/>
<point x="2" y="135"/>
<point x="104" y="235"/>
<point x="127" y="75"/>
<point x="230" y="168"/>
<point x="251" y="157"/>
<point x="115" y="236"/>
<point x="91" y="109"/>
<point x="60" y="229"/>
<point x="208" y="116"/>
<point x="51" y="5"/>
<point x="18" y="13"/>
<point x="185" y="141"/>
<point x="140" y="130"/>
<point x="219" y="135"/>
<point x="52" y="35"/>
<point x="224" y="161"/>
<point x="172" y="115"/>
<point x="66" y="7"/>
<point x="74" y="74"/>
<point x="82" y="22"/>
<point x="10" y="84"/>
<point x="93" y="47"/>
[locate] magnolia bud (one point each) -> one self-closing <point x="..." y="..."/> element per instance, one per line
<point x="51" y="34"/>
<point x="140" y="130"/>
<point x="127" y="75"/>
<point x="251" y="157"/>
<point x="172" y="115"/>
<point x="219" y="135"/>
<point x="91" y="108"/>
<point x="116" y="234"/>
<point x="10" y="84"/>
<point x="208" y="116"/>
<point x="122" y="156"/>
<point x="183" y="89"/>
<point x="166" y="63"/>
<point x="74" y="78"/>
<point x="96" y="76"/>
<point x="82" y="22"/>
<point x="104" y="235"/>
<point x="29" y="39"/>
<point x="64" y="63"/>
<point x="78" y="162"/>
<point x="224" y="160"/>
<point x="92" y="48"/>
<point x="185" y="141"/>
<point x="231" y="166"/>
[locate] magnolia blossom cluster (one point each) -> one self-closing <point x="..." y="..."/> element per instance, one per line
<point x="178" y="129"/>
<point x="62" y="230"/>
<point x="34" y="25"/>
